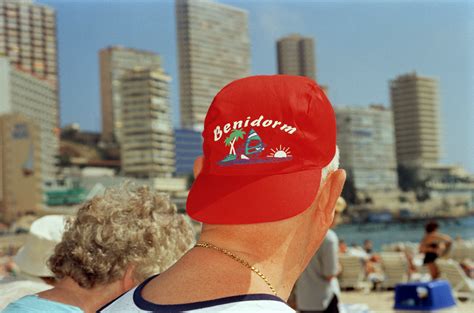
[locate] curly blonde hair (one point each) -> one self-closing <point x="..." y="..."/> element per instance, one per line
<point x="126" y="226"/>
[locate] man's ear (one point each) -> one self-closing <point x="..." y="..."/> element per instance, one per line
<point x="129" y="281"/>
<point x="329" y="192"/>
<point x="198" y="163"/>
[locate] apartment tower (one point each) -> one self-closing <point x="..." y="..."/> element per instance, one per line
<point x="415" y="108"/>
<point x="295" y="56"/>
<point x="188" y="147"/>
<point x="114" y="63"/>
<point x="147" y="147"/>
<point x="20" y="166"/>
<point x="21" y="92"/>
<point x="28" y="38"/>
<point x="366" y="141"/>
<point x="28" y="42"/>
<point x="214" y="49"/>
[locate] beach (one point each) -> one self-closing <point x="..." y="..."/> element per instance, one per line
<point x="384" y="236"/>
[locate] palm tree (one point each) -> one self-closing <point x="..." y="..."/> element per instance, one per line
<point x="233" y="137"/>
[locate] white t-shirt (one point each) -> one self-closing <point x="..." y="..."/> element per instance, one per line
<point x="132" y="301"/>
<point x="313" y="291"/>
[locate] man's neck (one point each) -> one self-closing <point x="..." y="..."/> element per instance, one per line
<point x="276" y="259"/>
<point x="219" y="276"/>
<point x="67" y="291"/>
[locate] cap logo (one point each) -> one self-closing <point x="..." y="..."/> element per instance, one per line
<point x="252" y="150"/>
<point x="258" y="122"/>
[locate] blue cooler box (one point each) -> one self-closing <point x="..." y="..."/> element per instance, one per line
<point x="428" y="296"/>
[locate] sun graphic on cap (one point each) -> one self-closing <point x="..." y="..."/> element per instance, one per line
<point x="280" y="152"/>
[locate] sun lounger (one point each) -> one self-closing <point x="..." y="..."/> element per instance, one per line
<point x="352" y="275"/>
<point x="395" y="268"/>
<point x="462" y="251"/>
<point x="462" y="285"/>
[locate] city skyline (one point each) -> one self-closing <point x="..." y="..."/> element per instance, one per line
<point x="416" y="42"/>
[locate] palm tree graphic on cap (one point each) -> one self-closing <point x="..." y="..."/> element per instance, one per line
<point x="230" y="141"/>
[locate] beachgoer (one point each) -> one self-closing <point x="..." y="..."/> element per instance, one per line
<point x="433" y="245"/>
<point x="468" y="266"/>
<point x="29" y="270"/>
<point x="114" y="242"/>
<point x="265" y="191"/>
<point x="342" y="247"/>
<point x="317" y="290"/>
<point x="368" y="246"/>
<point x="409" y="257"/>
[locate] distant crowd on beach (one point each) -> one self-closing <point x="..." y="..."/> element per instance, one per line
<point x="420" y="257"/>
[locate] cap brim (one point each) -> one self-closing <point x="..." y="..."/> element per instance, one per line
<point x="219" y="199"/>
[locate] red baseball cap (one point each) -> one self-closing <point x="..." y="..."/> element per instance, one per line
<point x="266" y="141"/>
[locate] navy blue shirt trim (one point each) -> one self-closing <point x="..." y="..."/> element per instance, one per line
<point x="149" y="306"/>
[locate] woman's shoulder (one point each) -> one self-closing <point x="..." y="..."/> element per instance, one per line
<point x="33" y="303"/>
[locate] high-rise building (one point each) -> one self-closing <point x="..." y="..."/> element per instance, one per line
<point x="114" y="63"/>
<point x="188" y="147"/>
<point x="416" y="116"/>
<point x="295" y="55"/>
<point x="367" y="147"/>
<point x="147" y="147"/>
<point x="214" y="49"/>
<point x="21" y="92"/>
<point x="20" y="166"/>
<point x="28" y="37"/>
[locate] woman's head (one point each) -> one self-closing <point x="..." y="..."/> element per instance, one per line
<point x="126" y="227"/>
<point x="431" y="226"/>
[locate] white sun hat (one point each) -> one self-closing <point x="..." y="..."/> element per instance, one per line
<point x="45" y="233"/>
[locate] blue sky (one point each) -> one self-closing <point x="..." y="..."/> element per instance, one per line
<point x="360" y="46"/>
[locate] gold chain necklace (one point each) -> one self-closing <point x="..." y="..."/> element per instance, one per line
<point x="238" y="259"/>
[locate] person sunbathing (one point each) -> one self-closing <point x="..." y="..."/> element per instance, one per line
<point x="468" y="267"/>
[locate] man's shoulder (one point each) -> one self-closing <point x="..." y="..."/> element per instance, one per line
<point x="331" y="237"/>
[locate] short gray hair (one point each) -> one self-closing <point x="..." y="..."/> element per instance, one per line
<point x="332" y="166"/>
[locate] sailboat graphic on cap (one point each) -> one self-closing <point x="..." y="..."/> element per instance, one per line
<point x="254" y="144"/>
<point x="252" y="148"/>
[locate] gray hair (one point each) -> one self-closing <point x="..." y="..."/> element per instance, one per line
<point x="332" y="166"/>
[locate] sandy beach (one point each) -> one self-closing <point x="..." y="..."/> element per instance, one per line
<point x="382" y="302"/>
